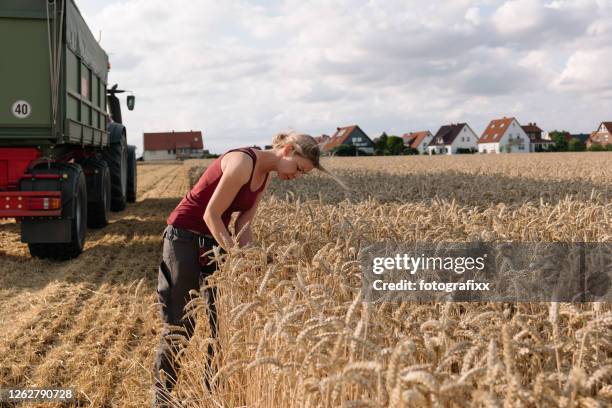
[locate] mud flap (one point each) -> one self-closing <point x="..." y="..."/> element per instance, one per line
<point x="45" y="231"/>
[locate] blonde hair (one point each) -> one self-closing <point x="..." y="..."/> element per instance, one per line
<point x="305" y="146"/>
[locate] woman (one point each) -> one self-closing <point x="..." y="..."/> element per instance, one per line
<point x="235" y="182"/>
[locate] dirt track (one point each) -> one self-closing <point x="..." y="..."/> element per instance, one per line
<point x="91" y="323"/>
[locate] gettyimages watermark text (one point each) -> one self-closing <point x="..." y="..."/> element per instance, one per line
<point x="484" y="271"/>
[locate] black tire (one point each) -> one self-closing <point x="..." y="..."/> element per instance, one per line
<point x="131" y="176"/>
<point x="98" y="213"/>
<point x="116" y="155"/>
<point x="72" y="249"/>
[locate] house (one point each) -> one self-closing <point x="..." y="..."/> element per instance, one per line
<point x="173" y="145"/>
<point x="406" y="137"/>
<point x="536" y="142"/>
<point x="602" y="136"/>
<point x="418" y="140"/>
<point x="504" y="136"/>
<point x="452" y="139"/>
<point x="351" y="136"/>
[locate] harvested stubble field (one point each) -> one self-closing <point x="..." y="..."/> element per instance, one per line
<point x="293" y="329"/>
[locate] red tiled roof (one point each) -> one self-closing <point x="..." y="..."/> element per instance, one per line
<point x="408" y="138"/>
<point x="414" y="139"/>
<point x="341" y="135"/>
<point x="608" y="126"/>
<point x="496" y="129"/>
<point x="173" y="140"/>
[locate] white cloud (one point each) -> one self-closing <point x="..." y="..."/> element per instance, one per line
<point x="517" y="16"/>
<point x="242" y="70"/>
<point x="473" y="15"/>
<point x="587" y="71"/>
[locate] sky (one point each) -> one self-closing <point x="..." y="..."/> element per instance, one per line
<point x="241" y="71"/>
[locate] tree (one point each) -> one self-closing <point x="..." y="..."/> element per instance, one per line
<point x="388" y="145"/>
<point x="344" y="150"/>
<point x="559" y="138"/>
<point x="576" y="145"/>
<point x="380" y="144"/>
<point x="395" y="145"/>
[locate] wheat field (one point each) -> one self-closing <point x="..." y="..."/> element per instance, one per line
<point x="294" y="331"/>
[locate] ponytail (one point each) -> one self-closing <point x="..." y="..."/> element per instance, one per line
<point x="336" y="179"/>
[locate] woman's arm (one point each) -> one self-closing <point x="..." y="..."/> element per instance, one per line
<point x="236" y="171"/>
<point x="246" y="217"/>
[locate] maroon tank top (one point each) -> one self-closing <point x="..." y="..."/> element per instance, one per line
<point x="189" y="213"/>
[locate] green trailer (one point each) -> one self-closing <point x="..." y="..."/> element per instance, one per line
<point x="64" y="158"/>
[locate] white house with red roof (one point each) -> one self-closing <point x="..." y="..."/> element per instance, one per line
<point x="418" y="140"/>
<point x="173" y="145"/>
<point x="504" y="136"/>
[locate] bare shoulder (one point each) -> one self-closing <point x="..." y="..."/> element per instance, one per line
<point x="237" y="164"/>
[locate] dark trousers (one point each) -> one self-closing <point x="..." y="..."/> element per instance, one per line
<point x="179" y="272"/>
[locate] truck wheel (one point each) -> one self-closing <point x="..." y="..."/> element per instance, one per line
<point x="131" y="176"/>
<point x="72" y="249"/>
<point x="116" y="157"/>
<point x="98" y="212"/>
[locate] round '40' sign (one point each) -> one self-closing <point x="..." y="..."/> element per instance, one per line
<point x="21" y="109"/>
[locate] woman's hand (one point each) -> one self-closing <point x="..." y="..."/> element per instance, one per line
<point x="245" y="219"/>
<point x="236" y="168"/>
